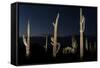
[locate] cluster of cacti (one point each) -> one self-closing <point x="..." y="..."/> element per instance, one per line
<point x="54" y="43"/>
<point x="90" y="46"/>
<point x="82" y="28"/>
<point x="26" y="39"/>
<point x="72" y="49"/>
<point x="46" y="43"/>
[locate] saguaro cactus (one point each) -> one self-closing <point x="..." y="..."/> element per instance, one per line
<point x="54" y="42"/>
<point x="26" y="39"/>
<point x="82" y="28"/>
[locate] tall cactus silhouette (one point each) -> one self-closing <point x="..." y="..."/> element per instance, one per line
<point x="82" y="28"/>
<point x="54" y="42"/>
<point x="26" y="39"/>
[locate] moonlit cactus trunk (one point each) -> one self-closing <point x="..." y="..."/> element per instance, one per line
<point x="26" y="40"/>
<point x="82" y="28"/>
<point x="54" y="38"/>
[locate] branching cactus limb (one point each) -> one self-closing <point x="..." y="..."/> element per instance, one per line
<point x="82" y="28"/>
<point x="26" y="40"/>
<point x="54" y="42"/>
<point x="56" y="47"/>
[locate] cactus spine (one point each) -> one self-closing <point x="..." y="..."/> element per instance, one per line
<point x="54" y="42"/>
<point x="82" y="28"/>
<point x="26" y="39"/>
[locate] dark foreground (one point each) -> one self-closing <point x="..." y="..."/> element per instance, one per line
<point x="40" y="56"/>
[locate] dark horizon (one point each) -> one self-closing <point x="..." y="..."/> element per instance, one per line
<point x="42" y="17"/>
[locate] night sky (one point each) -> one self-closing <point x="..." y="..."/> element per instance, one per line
<point x="41" y="18"/>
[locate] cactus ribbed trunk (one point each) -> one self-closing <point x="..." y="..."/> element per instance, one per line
<point x="81" y="44"/>
<point x="82" y="28"/>
<point x="28" y="39"/>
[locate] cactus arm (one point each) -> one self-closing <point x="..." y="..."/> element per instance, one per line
<point x="24" y="40"/>
<point x="80" y="15"/>
<point x="55" y="28"/>
<point x="52" y="43"/>
<point x="83" y="23"/>
<point x="56" y="23"/>
<point x="82" y="20"/>
<point x="52" y="39"/>
<point x="58" y="48"/>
